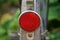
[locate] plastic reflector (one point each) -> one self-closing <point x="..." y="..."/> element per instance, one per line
<point x="29" y="21"/>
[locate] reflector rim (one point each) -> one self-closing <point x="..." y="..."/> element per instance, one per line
<point x="29" y="11"/>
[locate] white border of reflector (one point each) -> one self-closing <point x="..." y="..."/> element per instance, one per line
<point x="28" y="11"/>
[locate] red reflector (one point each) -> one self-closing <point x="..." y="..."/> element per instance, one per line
<point x="29" y="21"/>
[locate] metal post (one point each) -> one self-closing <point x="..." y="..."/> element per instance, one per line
<point x="37" y="9"/>
<point x="36" y="35"/>
<point x="23" y="6"/>
<point x="42" y="4"/>
<point x="44" y="12"/>
<point x="22" y="32"/>
<point x="44" y="18"/>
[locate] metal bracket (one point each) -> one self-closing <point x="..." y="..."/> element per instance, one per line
<point x="36" y="35"/>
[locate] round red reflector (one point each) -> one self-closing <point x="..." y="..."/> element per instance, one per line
<point x="29" y="21"/>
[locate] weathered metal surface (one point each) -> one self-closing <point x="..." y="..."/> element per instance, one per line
<point x="13" y="35"/>
<point x="44" y="17"/>
<point x="37" y="32"/>
<point x="37" y="9"/>
<point x="23" y="6"/>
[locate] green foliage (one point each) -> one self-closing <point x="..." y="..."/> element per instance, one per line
<point x="54" y="15"/>
<point x="4" y="37"/>
<point x="2" y="1"/>
<point x="54" y="10"/>
<point x="51" y="36"/>
<point x="52" y="1"/>
<point x="2" y="31"/>
<point x="54" y="36"/>
<point x="57" y="35"/>
<point x="9" y="25"/>
<point x="54" y="19"/>
<point x="14" y="2"/>
<point x="14" y="22"/>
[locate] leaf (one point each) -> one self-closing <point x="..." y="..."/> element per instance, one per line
<point x="57" y="35"/>
<point x="4" y="37"/>
<point x="54" y="13"/>
<point x="51" y="36"/>
<point x="2" y="31"/>
<point x="52" y="1"/>
<point x="14" y="21"/>
<point x="2" y="1"/>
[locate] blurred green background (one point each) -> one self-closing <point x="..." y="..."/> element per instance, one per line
<point x="9" y="13"/>
<point x="54" y="20"/>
